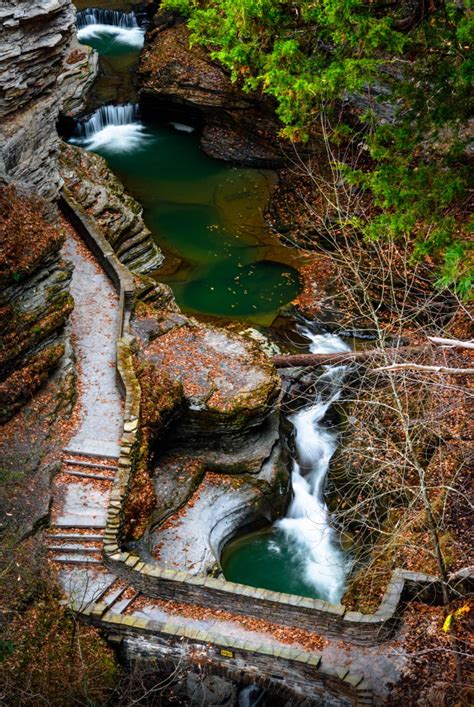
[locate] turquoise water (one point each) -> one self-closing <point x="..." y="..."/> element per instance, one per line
<point x="112" y="45"/>
<point x="208" y="216"/>
<point x="269" y="559"/>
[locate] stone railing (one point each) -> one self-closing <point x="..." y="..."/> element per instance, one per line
<point x="158" y="582"/>
<point x="274" y="668"/>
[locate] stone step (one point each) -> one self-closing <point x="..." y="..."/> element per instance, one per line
<point x="78" y="522"/>
<point x="76" y="559"/>
<point x="119" y="606"/>
<point x="112" y="593"/>
<point x="90" y="465"/>
<point x="82" y="475"/>
<point x="85" y="584"/>
<point x="73" y="547"/>
<point x="94" y="448"/>
<point x="74" y="536"/>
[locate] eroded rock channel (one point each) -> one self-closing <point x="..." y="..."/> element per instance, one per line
<point x="218" y="460"/>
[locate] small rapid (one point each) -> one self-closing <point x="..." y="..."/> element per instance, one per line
<point x="119" y="28"/>
<point x="300" y="553"/>
<point x="114" y="128"/>
<point x="307" y="522"/>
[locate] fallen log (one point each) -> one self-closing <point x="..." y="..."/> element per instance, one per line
<point x="324" y="359"/>
<point x="426" y="369"/>
<point x="451" y="343"/>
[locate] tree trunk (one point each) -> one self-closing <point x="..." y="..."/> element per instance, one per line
<point x="323" y="359"/>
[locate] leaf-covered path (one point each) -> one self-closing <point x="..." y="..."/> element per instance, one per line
<point x="94" y="328"/>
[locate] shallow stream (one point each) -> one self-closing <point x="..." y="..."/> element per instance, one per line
<point x="300" y="554"/>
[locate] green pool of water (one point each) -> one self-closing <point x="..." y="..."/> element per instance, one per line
<point x="208" y="215"/>
<point x="268" y="559"/>
<point x="108" y="45"/>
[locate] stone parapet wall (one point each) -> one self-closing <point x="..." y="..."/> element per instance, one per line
<point x="295" y="672"/>
<point x="287" y="609"/>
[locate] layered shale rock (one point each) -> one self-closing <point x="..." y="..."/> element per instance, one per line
<point x="34" y="298"/>
<point x="119" y="217"/>
<point x="229" y="385"/>
<point x="43" y="70"/>
<point x="237" y="127"/>
<point x="215" y="460"/>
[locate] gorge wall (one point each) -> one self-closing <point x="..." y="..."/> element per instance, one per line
<point x="43" y="70"/>
<point x="237" y="127"/>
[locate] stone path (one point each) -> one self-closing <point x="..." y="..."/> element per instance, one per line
<point x="95" y="322"/>
<point x="82" y="489"/>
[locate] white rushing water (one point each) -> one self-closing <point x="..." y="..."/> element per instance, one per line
<point x="307" y="521"/>
<point x="115" y="128"/>
<point x="120" y="27"/>
<point x="252" y="696"/>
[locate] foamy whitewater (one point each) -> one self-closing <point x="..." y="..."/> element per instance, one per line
<point x="115" y="128"/>
<point x="307" y="521"/>
<point x="120" y="27"/>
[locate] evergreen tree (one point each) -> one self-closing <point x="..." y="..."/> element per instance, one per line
<point x="312" y="56"/>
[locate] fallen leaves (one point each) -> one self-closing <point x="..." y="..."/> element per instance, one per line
<point x="283" y="634"/>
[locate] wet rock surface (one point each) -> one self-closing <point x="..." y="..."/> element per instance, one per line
<point x="212" y="508"/>
<point x="220" y="464"/>
<point x="238" y="127"/>
<point x="43" y="71"/>
<point x="116" y="213"/>
<point x="210" y="690"/>
<point x="229" y="385"/>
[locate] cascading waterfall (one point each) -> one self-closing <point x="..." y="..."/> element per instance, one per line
<point x="307" y="521"/>
<point x="120" y="27"/>
<point x="252" y="696"/>
<point x="106" y="116"/>
<point x="91" y="16"/>
<point x="115" y="128"/>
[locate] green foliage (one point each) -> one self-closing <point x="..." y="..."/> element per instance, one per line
<point x="308" y="55"/>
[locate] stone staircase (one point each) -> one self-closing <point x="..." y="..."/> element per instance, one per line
<point x="79" y="510"/>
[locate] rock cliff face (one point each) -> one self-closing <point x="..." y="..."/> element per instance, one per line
<point x="34" y="298"/>
<point x="237" y="127"/>
<point x="116" y="213"/>
<point x="42" y="71"/>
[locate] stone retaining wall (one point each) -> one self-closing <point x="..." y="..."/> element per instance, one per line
<point x="295" y="672"/>
<point x="154" y="581"/>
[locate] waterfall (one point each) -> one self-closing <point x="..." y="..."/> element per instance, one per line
<point x="114" y="128"/>
<point x="119" y="27"/>
<point x="307" y="520"/>
<point x="252" y="696"/>
<point x="124" y="20"/>
<point x="106" y="116"/>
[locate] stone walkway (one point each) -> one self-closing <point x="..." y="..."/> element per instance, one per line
<point x="94" y="328"/>
<point x="82" y="489"/>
